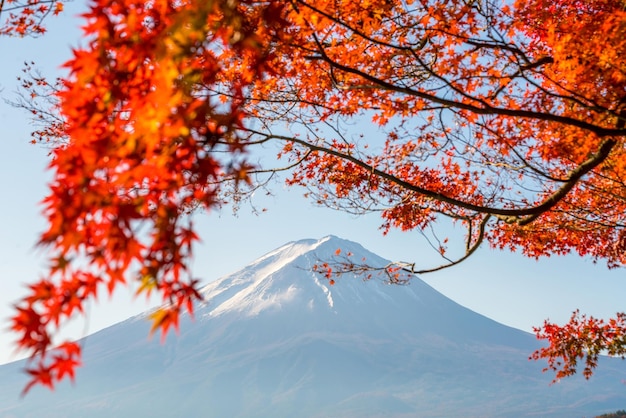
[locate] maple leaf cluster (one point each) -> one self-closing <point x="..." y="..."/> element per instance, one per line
<point x="25" y="18"/>
<point x="140" y="141"/>
<point x="507" y="119"/>
<point x="581" y="338"/>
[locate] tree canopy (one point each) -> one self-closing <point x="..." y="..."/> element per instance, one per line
<point x="506" y="118"/>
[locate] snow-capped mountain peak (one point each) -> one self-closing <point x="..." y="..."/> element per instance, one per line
<point x="286" y="276"/>
<point x="275" y="339"/>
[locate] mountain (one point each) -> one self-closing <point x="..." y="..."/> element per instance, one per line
<point x="276" y="340"/>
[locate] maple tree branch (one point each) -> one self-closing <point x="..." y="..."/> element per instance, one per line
<point x="485" y="110"/>
<point x="524" y="161"/>
<point x="347" y="266"/>
<point x="471" y="249"/>
<point x="507" y="215"/>
<point x="506" y="47"/>
<point x="574" y="177"/>
<point x="360" y="33"/>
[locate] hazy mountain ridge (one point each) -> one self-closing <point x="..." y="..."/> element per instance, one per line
<point x="275" y="339"/>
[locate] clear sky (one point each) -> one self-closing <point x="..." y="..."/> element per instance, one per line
<point x="506" y="287"/>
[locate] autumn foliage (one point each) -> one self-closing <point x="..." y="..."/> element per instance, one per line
<point x="23" y="18"/>
<point x="505" y="118"/>
<point x="140" y="154"/>
<point x="583" y="339"/>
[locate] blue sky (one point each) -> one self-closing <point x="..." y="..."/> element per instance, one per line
<point x="506" y="287"/>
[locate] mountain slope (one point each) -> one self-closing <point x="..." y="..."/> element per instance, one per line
<point x="275" y="339"/>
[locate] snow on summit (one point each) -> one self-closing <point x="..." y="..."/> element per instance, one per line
<point x="285" y="276"/>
